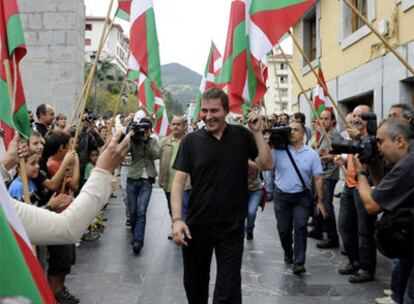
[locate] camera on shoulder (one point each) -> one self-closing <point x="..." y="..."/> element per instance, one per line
<point x="279" y="138"/>
<point x="139" y="129"/>
<point x="364" y="146"/>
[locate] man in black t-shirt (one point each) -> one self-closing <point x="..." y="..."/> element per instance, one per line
<point x="395" y="138"/>
<point x="215" y="157"/>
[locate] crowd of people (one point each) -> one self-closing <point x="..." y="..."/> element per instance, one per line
<point x="215" y="175"/>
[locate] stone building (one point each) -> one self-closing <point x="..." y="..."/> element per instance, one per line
<point x="53" y="68"/>
<point x="357" y="67"/>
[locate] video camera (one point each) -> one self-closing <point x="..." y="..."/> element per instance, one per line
<point x="139" y="129"/>
<point x="364" y="146"/>
<point x="90" y="117"/>
<point x="279" y="135"/>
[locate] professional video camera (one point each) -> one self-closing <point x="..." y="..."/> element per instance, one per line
<point x="139" y="129"/>
<point x="364" y="146"/>
<point x="279" y="136"/>
<point x="90" y="117"/>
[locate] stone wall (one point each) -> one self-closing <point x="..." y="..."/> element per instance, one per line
<point x="52" y="70"/>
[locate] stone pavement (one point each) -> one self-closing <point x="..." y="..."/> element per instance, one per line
<point x="107" y="272"/>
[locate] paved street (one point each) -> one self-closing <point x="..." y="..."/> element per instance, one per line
<point x="107" y="272"/>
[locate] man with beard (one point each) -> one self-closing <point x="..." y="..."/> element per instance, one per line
<point x="169" y="149"/>
<point x="356" y="226"/>
<point x="215" y="157"/>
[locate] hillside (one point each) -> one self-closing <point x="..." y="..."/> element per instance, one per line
<point x="181" y="82"/>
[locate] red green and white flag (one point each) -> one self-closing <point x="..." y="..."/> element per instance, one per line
<point x="320" y="101"/>
<point x="13" y="113"/>
<point x="21" y="273"/>
<point x="269" y="20"/>
<point x="210" y="78"/>
<point x="150" y="98"/>
<point x="144" y="48"/>
<point x="241" y="71"/>
<point x="124" y="9"/>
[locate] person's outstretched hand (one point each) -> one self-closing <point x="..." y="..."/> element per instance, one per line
<point x="15" y="151"/>
<point x="114" y="153"/>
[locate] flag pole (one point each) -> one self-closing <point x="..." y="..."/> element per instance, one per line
<point x="92" y="74"/>
<point x="334" y="103"/>
<point x="22" y="162"/>
<point x="89" y="79"/>
<point x="118" y="102"/>
<point x="385" y="42"/>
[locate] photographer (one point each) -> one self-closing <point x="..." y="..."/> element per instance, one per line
<point x="295" y="165"/>
<point x="141" y="176"/>
<point x="89" y="140"/>
<point x="356" y="226"/>
<point x="395" y="138"/>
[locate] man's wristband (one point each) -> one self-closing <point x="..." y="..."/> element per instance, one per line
<point x="176" y="219"/>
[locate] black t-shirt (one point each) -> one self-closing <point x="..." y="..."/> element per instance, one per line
<point x="396" y="189"/>
<point x="218" y="171"/>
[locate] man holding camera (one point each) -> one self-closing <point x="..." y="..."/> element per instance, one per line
<point x="395" y="139"/>
<point x="141" y="176"/>
<point x="356" y="226"/>
<point x="295" y="166"/>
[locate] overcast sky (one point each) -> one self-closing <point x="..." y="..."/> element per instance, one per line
<point x="185" y="28"/>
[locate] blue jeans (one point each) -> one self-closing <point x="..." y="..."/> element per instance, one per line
<point x="139" y="194"/>
<point x="400" y="273"/>
<point x="184" y="208"/>
<point x="255" y="198"/>
<point x="292" y="212"/>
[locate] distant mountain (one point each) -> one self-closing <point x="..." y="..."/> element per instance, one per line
<point x="181" y="82"/>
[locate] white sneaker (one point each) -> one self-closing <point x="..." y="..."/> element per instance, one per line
<point x="387" y="292"/>
<point x="385" y="300"/>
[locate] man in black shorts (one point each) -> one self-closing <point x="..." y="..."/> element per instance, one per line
<point x="215" y="157"/>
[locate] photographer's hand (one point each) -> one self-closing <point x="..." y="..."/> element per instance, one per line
<point x="353" y="132"/>
<point x="357" y="164"/>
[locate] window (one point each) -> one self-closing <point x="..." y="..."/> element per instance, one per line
<point x="309" y="28"/>
<point x="88" y="42"/>
<point x="283" y="66"/>
<point x="352" y="28"/>
<point x="88" y="27"/>
<point x="357" y="22"/>
<point x="284" y="93"/>
<point x="283" y="79"/>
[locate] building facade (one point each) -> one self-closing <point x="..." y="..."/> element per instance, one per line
<point x="52" y="70"/>
<point x="278" y="98"/>
<point x="116" y="48"/>
<point x="357" y="67"/>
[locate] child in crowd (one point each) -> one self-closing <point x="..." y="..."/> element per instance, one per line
<point x="61" y="257"/>
<point x="98" y="224"/>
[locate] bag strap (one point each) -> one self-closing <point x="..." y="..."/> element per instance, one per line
<point x="296" y="168"/>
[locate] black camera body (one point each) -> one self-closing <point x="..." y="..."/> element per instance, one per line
<point x="279" y="136"/>
<point x="364" y="146"/>
<point x="139" y="130"/>
<point x="90" y="117"/>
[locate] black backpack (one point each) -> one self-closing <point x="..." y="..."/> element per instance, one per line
<point x="394" y="233"/>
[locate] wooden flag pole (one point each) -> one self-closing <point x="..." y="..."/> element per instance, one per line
<point x="22" y="163"/>
<point x="385" y="42"/>
<point x="89" y="79"/>
<point x="117" y="103"/>
<point x="93" y="70"/>
<point x="334" y="103"/>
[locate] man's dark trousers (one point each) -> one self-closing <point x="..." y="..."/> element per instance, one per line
<point x="292" y="213"/>
<point x="357" y="230"/>
<point x="227" y="242"/>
